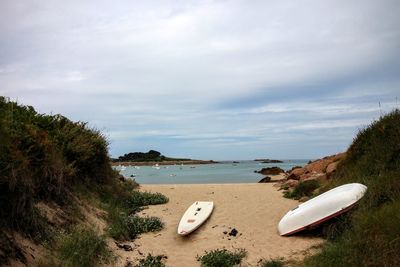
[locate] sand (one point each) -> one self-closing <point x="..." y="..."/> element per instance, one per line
<point x="253" y="209"/>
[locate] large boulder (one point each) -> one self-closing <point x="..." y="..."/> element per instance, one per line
<point x="320" y="170"/>
<point x="290" y="183"/>
<point x="271" y="171"/>
<point x="331" y="168"/>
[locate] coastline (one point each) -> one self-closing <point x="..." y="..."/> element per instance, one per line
<point x="171" y="162"/>
<point x="253" y="209"/>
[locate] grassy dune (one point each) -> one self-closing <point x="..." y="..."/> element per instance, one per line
<point x="370" y="235"/>
<point x="51" y="159"/>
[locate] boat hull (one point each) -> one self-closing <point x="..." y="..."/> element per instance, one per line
<point x="321" y="208"/>
<point x="195" y="216"/>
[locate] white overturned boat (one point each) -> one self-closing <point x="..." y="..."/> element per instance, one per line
<point x="321" y="208"/>
<point x="195" y="216"/>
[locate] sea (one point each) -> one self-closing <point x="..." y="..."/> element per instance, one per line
<point x="223" y="172"/>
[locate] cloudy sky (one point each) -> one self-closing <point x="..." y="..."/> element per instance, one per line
<point x="206" y="79"/>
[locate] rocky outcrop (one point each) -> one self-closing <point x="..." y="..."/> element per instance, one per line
<point x="271" y="171"/>
<point x="320" y="170"/>
<point x="266" y="179"/>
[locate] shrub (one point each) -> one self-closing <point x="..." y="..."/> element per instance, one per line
<point x="151" y="261"/>
<point x="83" y="247"/>
<point x="129" y="227"/>
<point x="222" y="258"/>
<point x="139" y="199"/>
<point x="124" y="224"/>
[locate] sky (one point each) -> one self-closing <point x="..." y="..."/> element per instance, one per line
<point x="207" y="79"/>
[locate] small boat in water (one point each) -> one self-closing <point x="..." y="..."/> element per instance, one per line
<point x="321" y="208"/>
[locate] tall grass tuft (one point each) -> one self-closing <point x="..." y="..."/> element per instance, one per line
<point x="222" y="258"/>
<point x="83" y="248"/>
<point x="152" y="261"/>
<point x="124" y="227"/>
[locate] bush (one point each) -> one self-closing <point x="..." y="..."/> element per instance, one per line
<point x="83" y="247"/>
<point x="129" y="227"/>
<point x="139" y="199"/>
<point x="152" y="261"/>
<point x="123" y="223"/>
<point x="222" y="258"/>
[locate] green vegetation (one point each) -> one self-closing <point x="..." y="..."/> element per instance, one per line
<point x="152" y="261"/>
<point x="371" y="235"/>
<point x="305" y="188"/>
<point x="123" y="223"/>
<point x="222" y="258"/>
<point x="41" y="158"/>
<point x="83" y="248"/>
<point x="50" y="159"/>
<point x="123" y="227"/>
<point x="152" y="155"/>
<point x="140" y="199"/>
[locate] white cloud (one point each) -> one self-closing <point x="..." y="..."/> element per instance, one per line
<point x="161" y="68"/>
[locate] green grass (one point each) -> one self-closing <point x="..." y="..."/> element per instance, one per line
<point x="83" y="248"/>
<point x="42" y="157"/>
<point x="152" y="261"/>
<point x="139" y="199"/>
<point x="124" y="224"/>
<point x="222" y="258"/>
<point x="52" y="159"/>
<point x="124" y="227"/>
<point x="303" y="189"/>
<point x="371" y="235"/>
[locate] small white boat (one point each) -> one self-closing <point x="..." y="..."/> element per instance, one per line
<point x="321" y="208"/>
<point x="157" y="167"/>
<point x="195" y="216"/>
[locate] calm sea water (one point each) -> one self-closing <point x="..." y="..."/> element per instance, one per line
<point x="224" y="172"/>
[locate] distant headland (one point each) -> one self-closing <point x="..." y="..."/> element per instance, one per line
<point x="153" y="157"/>
<point x="269" y="160"/>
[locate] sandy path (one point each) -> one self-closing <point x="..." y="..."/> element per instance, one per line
<point x="253" y="209"/>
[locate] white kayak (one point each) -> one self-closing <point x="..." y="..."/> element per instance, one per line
<point x="321" y="208"/>
<point x="195" y="216"/>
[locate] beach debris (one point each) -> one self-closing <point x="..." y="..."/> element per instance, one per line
<point x="214" y="226"/>
<point x="233" y="232"/>
<point x="225" y="232"/>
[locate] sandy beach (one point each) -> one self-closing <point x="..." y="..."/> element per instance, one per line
<point x="253" y="209"/>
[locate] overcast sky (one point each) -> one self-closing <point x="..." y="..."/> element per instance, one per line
<point x="206" y="79"/>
